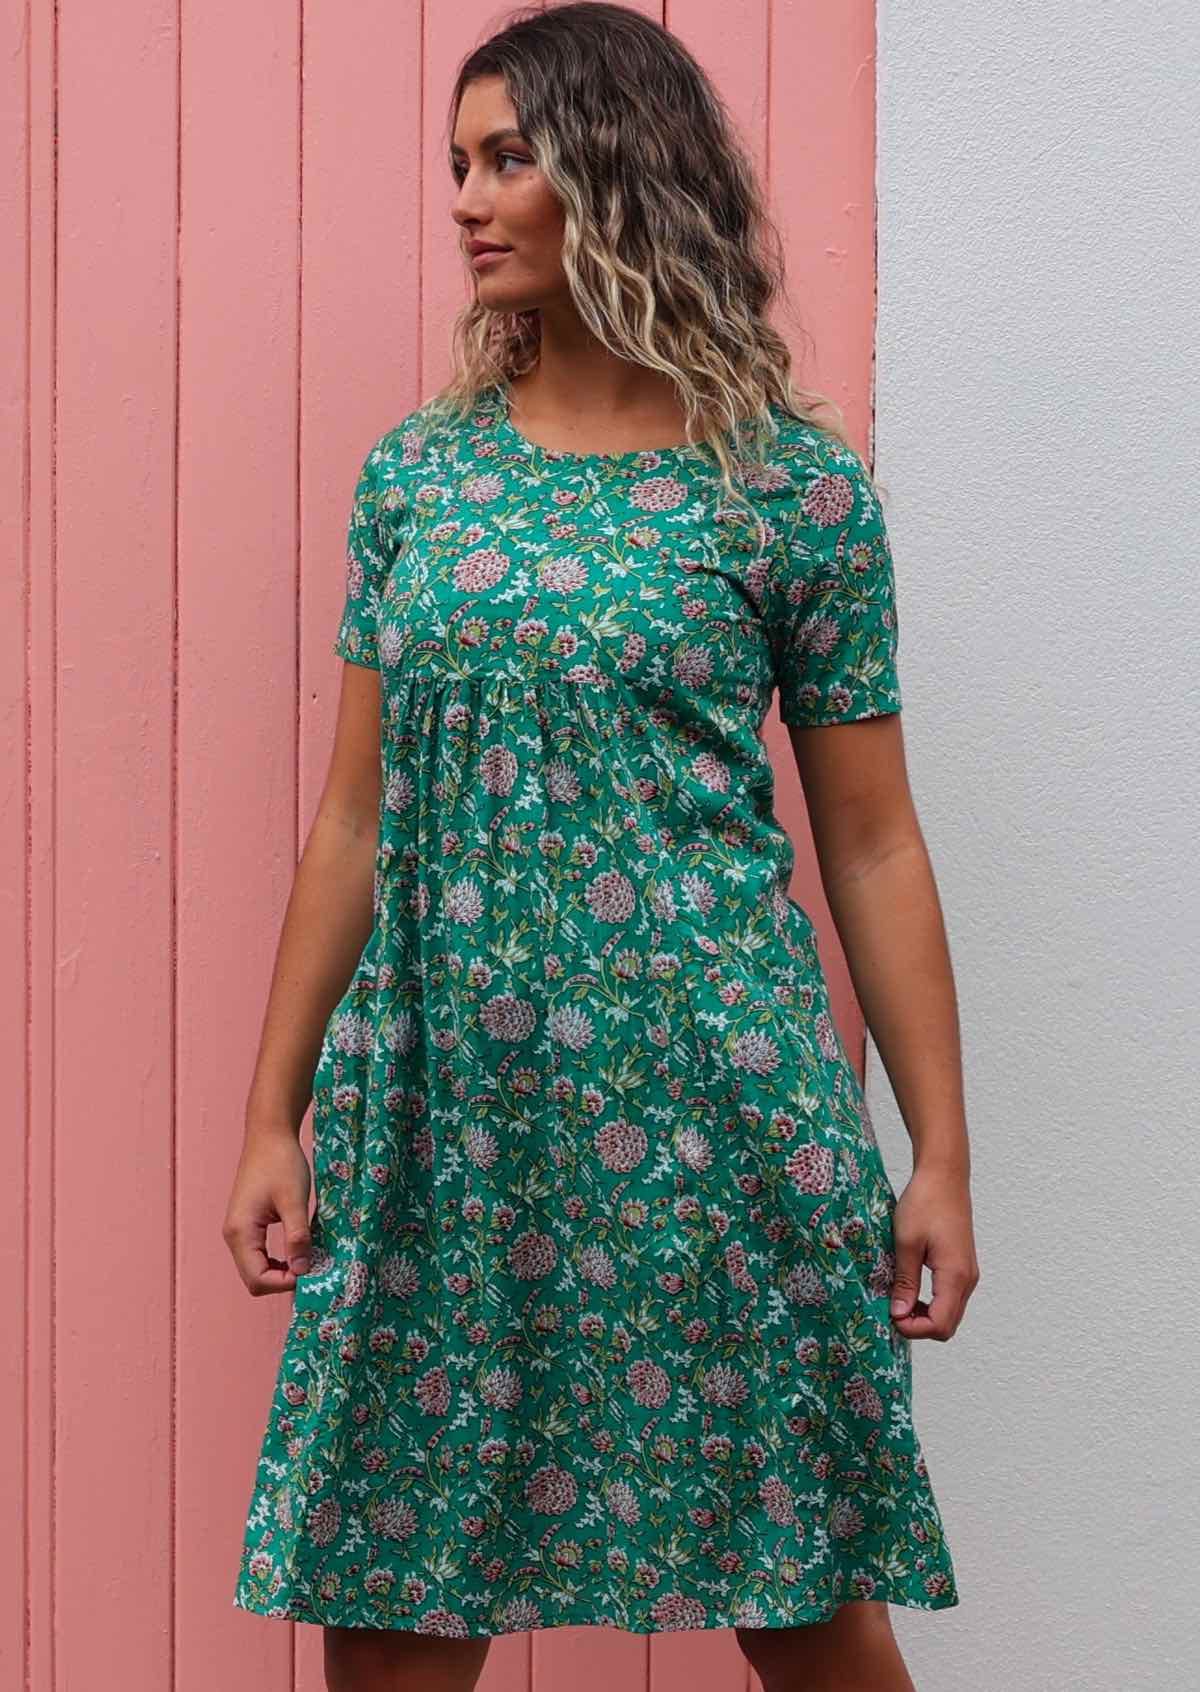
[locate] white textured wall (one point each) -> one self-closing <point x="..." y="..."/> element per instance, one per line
<point x="1037" y="422"/>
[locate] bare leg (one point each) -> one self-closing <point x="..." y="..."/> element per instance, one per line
<point x="854" y="1651"/>
<point x="373" y="1659"/>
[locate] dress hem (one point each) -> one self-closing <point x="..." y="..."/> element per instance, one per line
<point x="587" y="1618"/>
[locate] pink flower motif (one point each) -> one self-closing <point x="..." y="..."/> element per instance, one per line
<point x="611" y="896"/>
<point x="480" y="570"/>
<point x="432" y="1391"/>
<point x="658" y="493"/>
<point x="498" y="770"/>
<point x="649" y="1384"/>
<point x="551" y="1490"/>
<point x="828" y="499"/>
<point x="811" y="1167"/>
<point x="621" y="1145"/>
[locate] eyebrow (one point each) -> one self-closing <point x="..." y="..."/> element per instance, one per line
<point x="490" y="140"/>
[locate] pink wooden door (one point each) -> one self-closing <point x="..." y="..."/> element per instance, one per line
<point x="231" y="266"/>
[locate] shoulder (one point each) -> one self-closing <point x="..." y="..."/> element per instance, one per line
<point x="810" y="457"/>
<point x="813" y="484"/>
<point x="394" y="457"/>
<point x="405" y="443"/>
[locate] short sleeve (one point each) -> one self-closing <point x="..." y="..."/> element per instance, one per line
<point x="368" y="557"/>
<point x="831" y="599"/>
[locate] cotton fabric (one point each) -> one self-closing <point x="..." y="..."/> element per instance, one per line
<point x="596" y="1328"/>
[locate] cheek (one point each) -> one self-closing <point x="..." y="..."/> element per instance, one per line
<point x="537" y="215"/>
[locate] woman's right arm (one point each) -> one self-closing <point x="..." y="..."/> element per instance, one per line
<point x="325" y="927"/>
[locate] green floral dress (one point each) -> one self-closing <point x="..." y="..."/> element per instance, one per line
<point x="596" y="1328"/>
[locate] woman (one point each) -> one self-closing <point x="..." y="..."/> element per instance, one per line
<point x="605" y="1311"/>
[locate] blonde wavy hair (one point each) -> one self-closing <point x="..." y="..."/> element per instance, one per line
<point x="669" y="252"/>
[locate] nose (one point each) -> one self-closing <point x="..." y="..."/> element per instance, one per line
<point x="468" y="207"/>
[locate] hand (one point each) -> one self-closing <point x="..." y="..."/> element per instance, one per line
<point x="272" y="1185"/>
<point x="932" y="1222"/>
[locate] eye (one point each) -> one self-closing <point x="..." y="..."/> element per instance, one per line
<point x="458" y="171"/>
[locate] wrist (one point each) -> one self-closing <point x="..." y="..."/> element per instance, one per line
<point x="269" y="1116"/>
<point x="943" y="1165"/>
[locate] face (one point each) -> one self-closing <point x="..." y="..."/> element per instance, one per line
<point x="503" y="197"/>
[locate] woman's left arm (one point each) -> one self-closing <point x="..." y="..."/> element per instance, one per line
<point x="880" y="887"/>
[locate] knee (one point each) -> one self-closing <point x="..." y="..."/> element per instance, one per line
<point x="361" y="1657"/>
<point x="770" y="1649"/>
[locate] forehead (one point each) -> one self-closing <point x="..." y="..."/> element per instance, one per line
<point x="485" y="115"/>
<point x="492" y="138"/>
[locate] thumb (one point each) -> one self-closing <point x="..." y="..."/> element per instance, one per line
<point x="906" y="1282"/>
<point x="297" y="1240"/>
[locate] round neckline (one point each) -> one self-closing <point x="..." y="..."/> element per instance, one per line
<point x="505" y="425"/>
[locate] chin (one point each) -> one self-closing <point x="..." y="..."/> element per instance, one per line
<point x="501" y="299"/>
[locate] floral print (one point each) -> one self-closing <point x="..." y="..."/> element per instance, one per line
<point x="596" y="1328"/>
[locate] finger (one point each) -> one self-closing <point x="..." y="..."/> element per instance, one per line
<point x="916" y="1324"/>
<point x="297" y="1237"/>
<point x="906" y="1276"/>
<point x="260" y="1272"/>
<point x="948" y="1301"/>
<point x="936" y="1318"/>
<point x="277" y="1279"/>
<point x="266" y="1274"/>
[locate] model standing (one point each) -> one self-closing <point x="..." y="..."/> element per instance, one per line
<point x="605" y="1311"/>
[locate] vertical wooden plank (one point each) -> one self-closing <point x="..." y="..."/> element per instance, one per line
<point x="236" y="831"/>
<point x="821" y="172"/>
<point x="708" y="1660"/>
<point x="589" y="1659"/>
<point x="17" y="633"/>
<point x="113" y="1126"/>
<point x="507" y="1667"/>
<point x="359" y="345"/>
<point x="821" y="177"/>
<point x="38" y="297"/>
<point x="361" y="307"/>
